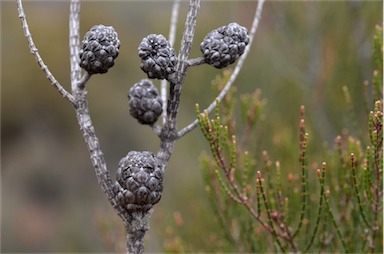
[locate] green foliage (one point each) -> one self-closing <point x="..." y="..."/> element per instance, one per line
<point x="378" y="56"/>
<point x="336" y="207"/>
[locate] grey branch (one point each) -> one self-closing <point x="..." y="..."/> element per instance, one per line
<point x="196" y="61"/>
<point x="96" y="155"/>
<point x="74" y="42"/>
<point x="136" y="223"/>
<point x="82" y="111"/>
<point x="171" y="39"/>
<point x="80" y="84"/>
<point x="37" y="56"/>
<point x="169" y="132"/>
<point x="173" y="25"/>
<point x="78" y="100"/>
<point x="186" y="45"/>
<point x="235" y="72"/>
<point x="136" y="228"/>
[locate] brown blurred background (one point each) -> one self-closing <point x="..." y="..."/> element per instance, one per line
<point x="304" y="52"/>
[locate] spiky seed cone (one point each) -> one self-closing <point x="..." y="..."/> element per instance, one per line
<point x="158" y="58"/>
<point x="144" y="102"/>
<point x="224" y="45"/>
<point x="139" y="181"/>
<point x="99" y="49"/>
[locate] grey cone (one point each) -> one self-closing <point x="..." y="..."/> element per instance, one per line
<point x="144" y="102"/>
<point x="139" y="181"/>
<point x="223" y="46"/>
<point x="158" y="58"/>
<point x="99" y="49"/>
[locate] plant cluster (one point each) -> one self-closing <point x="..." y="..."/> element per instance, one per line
<point x="264" y="207"/>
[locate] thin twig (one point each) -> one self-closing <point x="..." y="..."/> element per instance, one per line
<point x="173" y="25"/>
<point x="196" y="61"/>
<point x="156" y="129"/>
<point x="321" y="175"/>
<point x="78" y="99"/>
<point x="304" y="173"/>
<point x="82" y="111"/>
<point x="82" y="82"/>
<point x="171" y="39"/>
<point x="357" y="194"/>
<point x="235" y="72"/>
<point x="39" y="60"/>
<point x="234" y="192"/>
<point x="74" y="43"/>
<point x="96" y="154"/>
<point x="259" y="181"/>
<point x="326" y="194"/>
<point x="186" y="45"/>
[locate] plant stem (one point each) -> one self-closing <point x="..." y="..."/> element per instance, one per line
<point x="39" y="60"/>
<point x="353" y="166"/>
<point x="96" y="154"/>
<point x="274" y="234"/>
<point x="136" y="227"/>
<point x="169" y="135"/>
<point x="82" y="111"/>
<point x="171" y="39"/>
<point x="304" y="174"/>
<point x="321" y="176"/>
<point x="235" y="72"/>
<point x="334" y="222"/>
<point x="74" y="42"/>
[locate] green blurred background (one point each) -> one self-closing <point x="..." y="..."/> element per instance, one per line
<point x="304" y="52"/>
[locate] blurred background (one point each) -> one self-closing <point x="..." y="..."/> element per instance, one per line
<point x="304" y="52"/>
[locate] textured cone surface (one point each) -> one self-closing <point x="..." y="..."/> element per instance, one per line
<point x="99" y="49"/>
<point x="223" y="46"/>
<point x="144" y="102"/>
<point x="139" y="181"/>
<point x="158" y="58"/>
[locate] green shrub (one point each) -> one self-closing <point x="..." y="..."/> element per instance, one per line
<point x="263" y="206"/>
